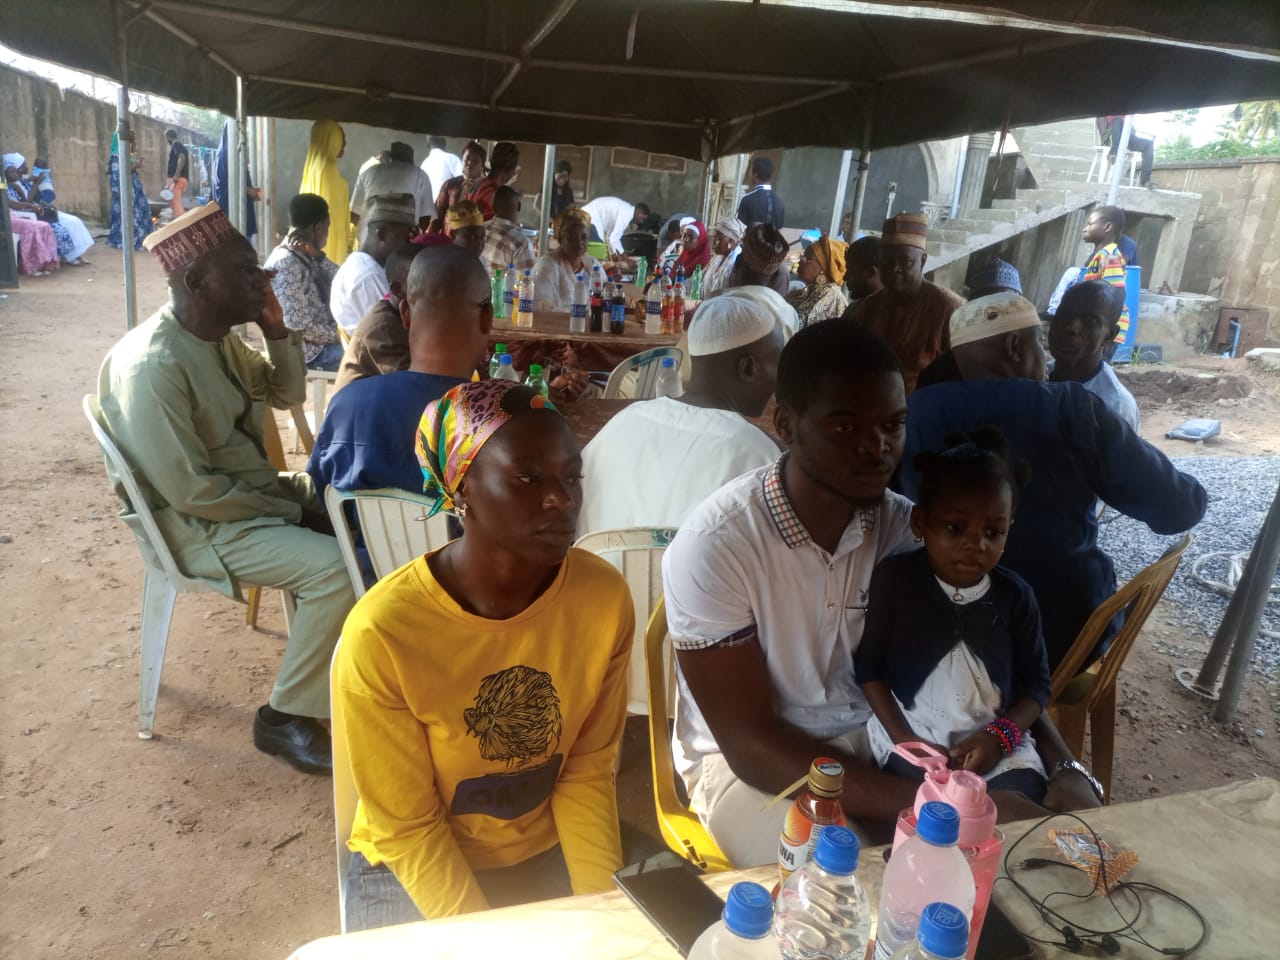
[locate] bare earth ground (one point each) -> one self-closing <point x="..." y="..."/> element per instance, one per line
<point x="196" y="845"/>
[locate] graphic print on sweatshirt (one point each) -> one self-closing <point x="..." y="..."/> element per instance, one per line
<point x="516" y="719"/>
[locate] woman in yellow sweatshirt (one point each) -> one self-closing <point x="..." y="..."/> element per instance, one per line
<point x="483" y="686"/>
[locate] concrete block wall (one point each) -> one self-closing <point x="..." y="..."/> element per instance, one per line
<point x="73" y="132"/>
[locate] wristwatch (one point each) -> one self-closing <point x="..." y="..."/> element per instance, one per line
<point x="1064" y="765"/>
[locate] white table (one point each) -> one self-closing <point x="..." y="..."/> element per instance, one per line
<point x="1218" y="848"/>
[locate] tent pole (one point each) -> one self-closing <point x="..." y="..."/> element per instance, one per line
<point x="846" y="160"/>
<point x="126" y="186"/>
<point x="741" y="167"/>
<point x="1122" y="153"/>
<point x="236" y="162"/>
<point x="251" y="135"/>
<point x="707" y="185"/>
<point x="548" y="185"/>
<point x="266" y="144"/>
<point x="860" y="191"/>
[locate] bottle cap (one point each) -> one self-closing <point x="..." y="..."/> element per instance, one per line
<point x="505" y="358"/>
<point x="535" y="369"/>
<point x="943" y="931"/>
<point x="837" y="850"/>
<point x="499" y="349"/>
<point x="511" y="266"/>
<point x="527" y="272"/>
<point x="826" y="777"/>
<point x="939" y="824"/>
<point x="748" y="910"/>
<point x="669" y="362"/>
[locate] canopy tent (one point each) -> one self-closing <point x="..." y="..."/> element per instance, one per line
<point x="694" y="78"/>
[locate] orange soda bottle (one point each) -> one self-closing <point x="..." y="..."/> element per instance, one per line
<point x="817" y="807"/>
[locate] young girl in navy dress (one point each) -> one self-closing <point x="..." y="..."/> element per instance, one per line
<point x="952" y="652"/>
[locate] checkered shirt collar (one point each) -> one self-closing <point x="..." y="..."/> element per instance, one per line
<point x="784" y="517"/>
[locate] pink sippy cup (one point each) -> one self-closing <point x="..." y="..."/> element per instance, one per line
<point x="980" y="838"/>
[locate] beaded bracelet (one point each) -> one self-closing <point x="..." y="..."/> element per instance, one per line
<point x="1007" y="732"/>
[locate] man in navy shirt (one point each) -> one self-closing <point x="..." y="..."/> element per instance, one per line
<point x="367" y="439"/>
<point x="761" y="204"/>
<point x="1078" y="450"/>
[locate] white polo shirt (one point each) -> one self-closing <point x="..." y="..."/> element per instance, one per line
<point x="743" y="562"/>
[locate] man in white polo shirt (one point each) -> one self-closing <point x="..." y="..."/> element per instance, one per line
<point x="766" y="592"/>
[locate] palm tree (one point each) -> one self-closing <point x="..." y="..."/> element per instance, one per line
<point x="1258" y="121"/>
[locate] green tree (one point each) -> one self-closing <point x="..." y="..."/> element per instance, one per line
<point x="1257" y="121"/>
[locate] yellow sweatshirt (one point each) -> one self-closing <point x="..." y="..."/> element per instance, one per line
<point x="479" y="743"/>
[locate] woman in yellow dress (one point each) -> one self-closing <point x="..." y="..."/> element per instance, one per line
<point x="320" y="175"/>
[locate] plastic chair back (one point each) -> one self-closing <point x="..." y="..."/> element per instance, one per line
<point x="637" y="553"/>
<point x="643" y="368"/>
<point x="345" y="797"/>
<point x="681" y="829"/>
<point x="394" y="525"/>
<point x="149" y="538"/>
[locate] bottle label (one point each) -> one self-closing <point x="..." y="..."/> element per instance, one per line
<point x="526" y="306"/>
<point x="578" y="311"/>
<point x="618" y="312"/>
<point x="796" y="850"/>
<point x="653" y="308"/>
<point x="508" y="296"/>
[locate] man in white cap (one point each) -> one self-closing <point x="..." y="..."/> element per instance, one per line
<point x="184" y="398"/>
<point x="1078" y="451"/>
<point x="657" y="459"/>
<point x="361" y="281"/>
<point x="726" y="244"/>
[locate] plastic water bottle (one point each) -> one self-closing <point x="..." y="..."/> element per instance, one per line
<point x="578" y="308"/>
<point x="668" y="383"/>
<point x="498" y="350"/>
<point x="505" y="370"/>
<point x="743" y="932"/>
<point x="524" y="311"/>
<point x="927" y="868"/>
<point x="822" y="910"/>
<point x="498" y="294"/>
<point x="653" y="308"/>
<point x="535" y="379"/>
<point x="943" y="935"/>
<point x="510" y="281"/>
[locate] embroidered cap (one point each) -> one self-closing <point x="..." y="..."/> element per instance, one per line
<point x="991" y="316"/>
<point x="725" y="323"/>
<point x="187" y="238"/>
<point x="997" y="274"/>
<point x="906" y="230"/>
<point x="392" y="208"/>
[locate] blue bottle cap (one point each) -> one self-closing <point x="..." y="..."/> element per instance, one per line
<point x="527" y="272"/>
<point x="511" y="266"/>
<point x="748" y="910"/>
<point x="669" y="361"/>
<point x="505" y="358"/>
<point x="938" y="824"/>
<point x="837" y="850"/>
<point x="944" y="931"/>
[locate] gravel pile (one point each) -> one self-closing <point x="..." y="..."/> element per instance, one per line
<point x="1240" y="491"/>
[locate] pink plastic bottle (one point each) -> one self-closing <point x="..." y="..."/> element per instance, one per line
<point x="980" y="838"/>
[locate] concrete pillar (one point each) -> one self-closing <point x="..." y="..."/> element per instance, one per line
<point x="976" y="158"/>
<point x="1171" y="254"/>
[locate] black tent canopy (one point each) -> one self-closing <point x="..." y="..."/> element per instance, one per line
<point x="694" y="78"/>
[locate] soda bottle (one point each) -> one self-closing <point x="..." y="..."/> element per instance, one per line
<point x="943" y="935"/>
<point x="695" y="283"/>
<point x="578" y="308"/>
<point x="669" y="384"/>
<point x="505" y="370"/>
<point x="498" y="350"/>
<point x="524" y="310"/>
<point x="496" y="295"/>
<point x="535" y="379"/>
<point x="927" y="868"/>
<point x="509" y="283"/>
<point x="817" y="808"/>
<point x="668" y="303"/>
<point x="822" y="910"/>
<point x="653" y="308"/>
<point x="642" y="272"/>
<point x="677" y="304"/>
<point x="618" y="309"/>
<point x="597" y="300"/>
<point x="744" y="931"/>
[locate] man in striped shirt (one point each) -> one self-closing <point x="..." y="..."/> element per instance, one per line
<point x="1103" y="230"/>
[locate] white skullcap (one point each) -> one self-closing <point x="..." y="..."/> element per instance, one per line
<point x="784" y="314"/>
<point x="725" y="323"/>
<point x="685" y="221"/>
<point x="991" y="316"/>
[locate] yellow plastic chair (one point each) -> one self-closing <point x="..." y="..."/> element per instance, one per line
<point x="681" y="829"/>
<point x="345" y="796"/>
<point x="1080" y="701"/>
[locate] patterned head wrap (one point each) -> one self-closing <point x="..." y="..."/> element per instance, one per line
<point x="764" y="248"/>
<point x="572" y="217"/>
<point x="15" y="160"/>
<point x="464" y="213"/>
<point x="732" y="228"/>
<point x="454" y="428"/>
<point x="830" y="255"/>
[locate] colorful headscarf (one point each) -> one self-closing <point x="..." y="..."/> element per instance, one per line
<point x="464" y="213"/>
<point x="764" y="248"/>
<point x="699" y="255"/>
<point x="454" y="428"/>
<point x="830" y="255"/>
<point x="733" y="228"/>
<point x="572" y="216"/>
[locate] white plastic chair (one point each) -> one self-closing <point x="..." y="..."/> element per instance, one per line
<point x="162" y="580"/>
<point x="642" y="369"/>
<point x="637" y="553"/>
<point x="394" y="524"/>
<point x="345" y="796"/>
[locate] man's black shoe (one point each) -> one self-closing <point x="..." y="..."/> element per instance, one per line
<point x="302" y="741"/>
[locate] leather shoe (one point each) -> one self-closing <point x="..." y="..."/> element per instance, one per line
<point x="303" y="742"/>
